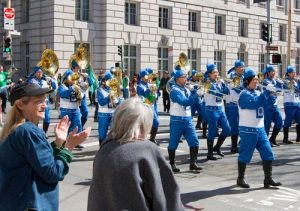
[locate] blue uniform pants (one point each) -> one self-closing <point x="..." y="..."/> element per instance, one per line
<point x="84" y="108"/>
<point x="182" y="126"/>
<point x="272" y="114"/>
<point x="47" y="115"/>
<point x="232" y="114"/>
<point x="291" y="112"/>
<point x="104" y="120"/>
<point x="252" y="138"/>
<point x="74" y="117"/>
<point x="216" y="117"/>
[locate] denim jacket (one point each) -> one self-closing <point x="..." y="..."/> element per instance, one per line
<point x="29" y="173"/>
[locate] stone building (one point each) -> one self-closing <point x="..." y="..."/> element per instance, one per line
<point x="152" y="33"/>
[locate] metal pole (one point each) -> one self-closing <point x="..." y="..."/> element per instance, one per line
<point x="289" y="32"/>
<point x="269" y="28"/>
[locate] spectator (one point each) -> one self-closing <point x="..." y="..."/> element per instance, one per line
<point x="130" y="173"/>
<point x="30" y="167"/>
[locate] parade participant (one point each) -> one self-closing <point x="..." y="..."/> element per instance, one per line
<point x="291" y="104"/>
<point x="231" y="107"/>
<point x="181" y="120"/>
<point x="30" y="167"/>
<point x="3" y="88"/>
<point x="148" y="94"/>
<point x="165" y="94"/>
<point x="84" y="82"/>
<point x="251" y="127"/>
<point x="70" y="97"/>
<point x="196" y="107"/>
<point x="271" y="110"/>
<point x="214" y="111"/>
<point x="125" y="85"/>
<point x="100" y="77"/>
<point x="107" y="104"/>
<point x="145" y="173"/>
<point x="57" y="100"/>
<point x="44" y="82"/>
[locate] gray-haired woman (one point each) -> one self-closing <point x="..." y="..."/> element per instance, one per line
<point x="130" y="173"/>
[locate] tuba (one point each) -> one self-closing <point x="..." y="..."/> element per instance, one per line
<point x="183" y="63"/>
<point x="75" y="78"/>
<point x="115" y="93"/>
<point x="49" y="63"/>
<point x="81" y="56"/>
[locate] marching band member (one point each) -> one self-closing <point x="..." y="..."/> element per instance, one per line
<point x="181" y="120"/>
<point x="291" y="105"/>
<point x="231" y="107"/>
<point x="197" y="106"/>
<point x="44" y="82"/>
<point x="251" y="127"/>
<point x="271" y="110"/>
<point x="149" y="94"/>
<point x="215" y="113"/>
<point x="70" y="97"/>
<point x="84" y="82"/>
<point x="100" y="77"/>
<point x="107" y="104"/>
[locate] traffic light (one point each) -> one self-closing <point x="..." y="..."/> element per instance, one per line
<point x="265" y="32"/>
<point x="276" y="58"/>
<point x="120" y="52"/>
<point x="7" y="45"/>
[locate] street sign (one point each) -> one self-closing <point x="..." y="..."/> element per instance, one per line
<point x="272" y="48"/>
<point x="9" y="18"/>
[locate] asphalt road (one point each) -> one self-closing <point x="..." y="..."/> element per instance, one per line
<point x="213" y="189"/>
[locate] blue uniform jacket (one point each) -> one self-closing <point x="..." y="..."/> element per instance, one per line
<point x="29" y="173"/>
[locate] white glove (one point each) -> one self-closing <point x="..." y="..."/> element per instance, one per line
<point x="115" y="100"/>
<point x="221" y="81"/>
<point x="85" y="75"/>
<point x="271" y="88"/>
<point x="200" y="92"/>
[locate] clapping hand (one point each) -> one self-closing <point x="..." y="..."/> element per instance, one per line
<point x="61" y="131"/>
<point x="76" y="139"/>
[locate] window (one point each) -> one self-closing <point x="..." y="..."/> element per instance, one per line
<point x="130" y="13"/>
<point x="25" y="11"/>
<point x="243" y="56"/>
<point x="243" y="27"/>
<point x="82" y="8"/>
<point x="282" y="32"/>
<point x="25" y="53"/>
<point x="193" y="21"/>
<point x="163" y="21"/>
<point x="220" y="24"/>
<point x="219" y="61"/>
<point x="261" y="62"/>
<point x="297" y="4"/>
<point x="298" y="34"/>
<point x="130" y="59"/>
<point x="280" y="3"/>
<point x="192" y="56"/>
<point x="163" y="59"/>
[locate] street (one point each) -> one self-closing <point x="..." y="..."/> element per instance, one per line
<point x="213" y="189"/>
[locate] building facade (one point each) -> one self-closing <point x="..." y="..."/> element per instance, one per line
<point x="153" y="32"/>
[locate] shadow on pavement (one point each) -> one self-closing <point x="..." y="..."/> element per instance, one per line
<point x="195" y="196"/>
